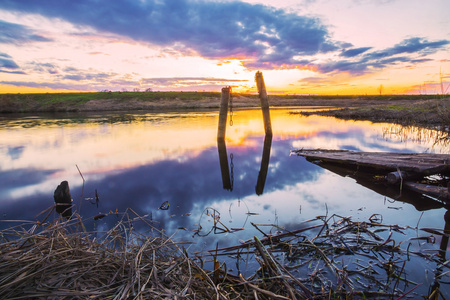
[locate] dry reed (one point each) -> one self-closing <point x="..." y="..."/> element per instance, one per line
<point x="61" y="260"/>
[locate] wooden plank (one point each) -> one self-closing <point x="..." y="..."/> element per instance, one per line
<point x="421" y="163"/>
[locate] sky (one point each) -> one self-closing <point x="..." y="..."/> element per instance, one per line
<point x="301" y="46"/>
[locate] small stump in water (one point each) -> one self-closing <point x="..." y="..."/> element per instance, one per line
<point x="63" y="200"/>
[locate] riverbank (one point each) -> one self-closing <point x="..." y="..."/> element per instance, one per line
<point x="117" y="101"/>
<point x="419" y="110"/>
<point x="425" y="113"/>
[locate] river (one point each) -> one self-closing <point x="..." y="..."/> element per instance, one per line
<point x="169" y="165"/>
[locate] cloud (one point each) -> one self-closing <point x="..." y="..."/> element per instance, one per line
<point x="8" y="64"/>
<point x="314" y="80"/>
<point x="106" y="81"/>
<point x="50" y="85"/>
<point x="187" y="80"/>
<point x="412" y="45"/>
<point x="12" y="72"/>
<point x="355" y="51"/>
<point x="5" y="55"/>
<point x="93" y="77"/>
<point x="411" y="50"/>
<point x="11" y="33"/>
<point x="264" y="36"/>
<point x="44" y="68"/>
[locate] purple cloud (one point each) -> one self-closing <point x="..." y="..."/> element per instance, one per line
<point x="263" y="37"/>
<point x="261" y="34"/>
<point x="11" y="33"/>
<point x="354" y="52"/>
<point x="406" y="51"/>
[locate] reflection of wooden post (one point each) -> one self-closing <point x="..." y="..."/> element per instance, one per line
<point x="264" y="165"/>
<point x="264" y="102"/>
<point x="223" y="112"/>
<point x="445" y="237"/>
<point x="223" y="157"/>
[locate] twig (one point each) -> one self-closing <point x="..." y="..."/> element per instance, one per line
<point x="82" y="189"/>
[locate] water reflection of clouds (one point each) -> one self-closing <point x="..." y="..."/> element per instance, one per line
<point x="11" y="180"/>
<point x="142" y="164"/>
<point x="353" y="137"/>
<point x="15" y="152"/>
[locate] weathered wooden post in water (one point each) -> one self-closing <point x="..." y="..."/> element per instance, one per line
<point x="63" y="200"/>
<point x="223" y="157"/>
<point x="226" y="91"/>
<point x="227" y="176"/>
<point x="264" y="102"/>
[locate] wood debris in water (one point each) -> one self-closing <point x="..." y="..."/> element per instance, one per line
<point x="340" y="258"/>
<point x="337" y="258"/>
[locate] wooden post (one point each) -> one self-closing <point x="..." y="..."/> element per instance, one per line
<point x="264" y="102"/>
<point x="63" y="200"/>
<point x="223" y="112"/>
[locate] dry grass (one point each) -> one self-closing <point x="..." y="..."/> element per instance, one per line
<point x="61" y="260"/>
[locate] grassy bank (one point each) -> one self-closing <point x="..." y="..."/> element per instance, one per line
<point x="120" y="101"/>
<point x="100" y="101"/>
<point x="432" y="113"/>
<point x="419" y="110"/>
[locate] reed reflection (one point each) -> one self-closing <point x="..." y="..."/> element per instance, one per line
<point x="435" y="287"/>
<point x="444" y="241"/>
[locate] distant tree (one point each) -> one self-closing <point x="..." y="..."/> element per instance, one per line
<point x="135" y="90"/>
<point x="148" y="90"/>
<point x="380" y="89"/>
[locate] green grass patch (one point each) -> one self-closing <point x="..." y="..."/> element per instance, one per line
<point x="79" y="98"/>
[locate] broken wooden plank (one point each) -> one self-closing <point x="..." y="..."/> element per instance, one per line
<point x="422" y="164"/>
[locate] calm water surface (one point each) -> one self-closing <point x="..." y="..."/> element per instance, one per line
<point x="143" y="160"/>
